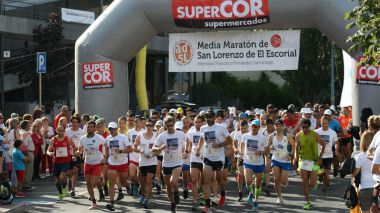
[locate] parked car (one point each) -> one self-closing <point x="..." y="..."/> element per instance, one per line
<point x="176" y="104"/>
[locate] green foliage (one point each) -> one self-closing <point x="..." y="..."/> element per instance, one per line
<point x="366" y="19"/>
<point x="310" y="83"/>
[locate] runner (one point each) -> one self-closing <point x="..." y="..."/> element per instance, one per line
<point x="147" y="162"/>
<point x="339" y="154"/>
<point x="75" y="133"/>
<point x="134" y="156"/>
<point x="92" y="149"/>
<point x="102" y="186"/>
<point x="306" y="155"/>
<point x="281" y="146"/>
<point x="59" y="149"/>
<point x="330" y="139"/>
<point x="253" y="146"/>
<point x="216" y="137"/>
<point x="268" y="158"/>
<point x="184" y="127"/>
<point x="158" y="180"/>
<point x="173" y="143"/>
<point x="239" y="156"/>
<point x="194" y="136"/>
<point x="118" y="147"/>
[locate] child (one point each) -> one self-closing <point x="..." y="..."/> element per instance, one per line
<point x="19" y="166"/>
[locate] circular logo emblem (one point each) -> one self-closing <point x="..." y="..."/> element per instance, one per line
<point x="276" y="41"/>
<point x="183" y="52"/>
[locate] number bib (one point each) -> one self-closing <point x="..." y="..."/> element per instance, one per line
<point x="172" y="156"/>
<point x="252" y="157"/>
<point x="115" y="155"/>
<point x="307" y="165"/>
<point x="91" y="154"/>
<point x="281" y="154"/>
<point x="61" y="152"/>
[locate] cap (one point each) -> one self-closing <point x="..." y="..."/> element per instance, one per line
<point x="260" y="112"/>
<point x="178" y="125"/>
<point x="243" y="115"/>
<point x="160" y="123"/>
<point x="290" y="110"/>
<point x="172" y="111"/>
<point x="279" y="121"/>
<point x="164" y="110"/>
<point x="332" y="107"/>
<point x="248" y="112"/>
<point x="112" y="125"/>
<point x="210" y="114"/>
<point x="292" y="106"/>
<point x="307" y="110"/>
<point x="180" y="110"/>
<point x="328" y="112"/>
<point x="14" y="115"/>
<point x="255" y="122"/>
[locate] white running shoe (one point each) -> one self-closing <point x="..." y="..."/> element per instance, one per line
<point x="279" y="201"/>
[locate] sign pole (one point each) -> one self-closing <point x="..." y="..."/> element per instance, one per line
<point x="41" y="68"/>
<point x="40" y="90"/>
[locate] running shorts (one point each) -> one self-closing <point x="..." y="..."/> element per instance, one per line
<point x="215" y="165"/>
<point x="144" y="170"/>
<point x="61" y="167"/>
<point x="92" y="170"/>
<point x="168" y="171"/>
<point x="283" y="166"/>
<point x="119" y="168"/>
<point x="255" y="168"/>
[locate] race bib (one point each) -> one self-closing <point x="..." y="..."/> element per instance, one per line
<point x="91" y="154"/>
<point x="61" y="152"/>
<point x="252" y="157"/>
<point x="281" y="154"/>
<point x="307" y="165"/>
<point x="172" y="156"/>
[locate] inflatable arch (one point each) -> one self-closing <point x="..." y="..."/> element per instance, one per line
<point x="127" y="25"/>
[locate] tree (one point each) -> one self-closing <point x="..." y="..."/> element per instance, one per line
<point x="366" y="18"/>
<point x="59" y="60"/>
<point x="310" y="83"/>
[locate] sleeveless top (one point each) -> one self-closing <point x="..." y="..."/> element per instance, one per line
<point x="61" y="150"/>
<point x="281" y="149"/>
<point x="308" y="146"/>
<point x="147" y="145"/>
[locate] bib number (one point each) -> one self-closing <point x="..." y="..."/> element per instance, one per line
<point x="61" y="152"/>
<point x="91" y="154"/>
<point x="307" y="165"/>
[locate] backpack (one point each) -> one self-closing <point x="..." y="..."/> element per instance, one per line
<point x="350" y="197"/>
<point x="347" y="167"/>
<point x="6" y="196"/>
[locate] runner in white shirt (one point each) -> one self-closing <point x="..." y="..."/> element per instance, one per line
<point x="92" y="147"/>
<point x="134" y="156"/>
<point x="216" y="138"/>
<point x="147" y="161"/>
<point x="253" y="146"/>
<point x="74" y="133"/>
<point x="281" y="146"/>
<point x="117" y="151"/>
<point x="194" y="136"/>
<point x="236" y="140"/>
<point x="172" y="142"/>
<point x="330" y="138"/>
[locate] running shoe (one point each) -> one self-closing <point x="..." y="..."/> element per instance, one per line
<point x="279" y="201"/>
<point x="315" y="187"/>
<point x="206" y="209"/>
<point x="250" y="199"/>
<point x="307" y="206"/>
<point x="255" y="206"/>
<point x="135" y="190"/>
<point x="146" y="204"/>
<point x="64" y="192"/>
<point x="177" y="199"/>
<point x="110" y="207"/>
<point x="240" y="197"/>
<point x="202" y="202"/>
<point x="173" y="208"/>
<point x="60" y="197"/>
<point x="222" y="200"/>
<point x="142" y="199"/>
<point x="324" y="192"/>
<point x="19" y="194"/>
<point x="267" y="192"/>
<point x="92" y="207"/>
<point x="194" y="208"/>
<point x="120" y="196"/>
<point x="158" y="188"/>
<point x="101" y="198"/>
<point x="72" y="193"/>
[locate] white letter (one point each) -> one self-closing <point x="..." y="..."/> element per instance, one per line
<point x="236" y="11"/>
<point x="223" y="9"/>
<point x="256" y="6"/>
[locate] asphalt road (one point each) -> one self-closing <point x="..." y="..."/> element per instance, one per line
<point x="43" y="199"/>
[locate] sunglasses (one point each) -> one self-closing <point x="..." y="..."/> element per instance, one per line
<point x="61" y="130"/>
<point x="305" y="127"/>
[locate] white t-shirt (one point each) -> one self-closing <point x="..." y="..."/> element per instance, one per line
<point x="215" y="133"/>
<point x="93" y="148"/>
<point x="375" y="141"/>
<point x="237" y="137"/>
<point x="194" y="138"/>
<point x="121" y="142"/>
<point x="330" y="138"/>
<point x="75" y="135"/>
<point x="362" y="162"/>
<point x="253" y="143"/>
<point x="132" y="135"/>
<point x="280" y="149"/>
<point x="175" y="144"/>
<point x="376" y="160"/>
<point x="147" y="159"/>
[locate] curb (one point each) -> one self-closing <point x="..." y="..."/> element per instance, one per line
<point x="13" y="208"/>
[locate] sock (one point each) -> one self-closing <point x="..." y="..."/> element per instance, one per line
<point x="176" y="194"/>
<point x="257" y="193"/>
<point x="100" y="192"/>
<point x="223" y="193"/>
<point x="64" y="184"/>
<point x="250" y="188"/>
<point x="112" y="202"/>
<point x="208" y="203"/>
<point x="120" y="190"/>
<point x="94" y="200"/>
<point x="264" y="178"/>
<point x="59" y="187"/>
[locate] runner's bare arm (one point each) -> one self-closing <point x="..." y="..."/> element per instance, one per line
<point x="127" y="149"/>
<point x="226" y="142"/>
<point x="291" y="141"/>
<point x="320" y="141"/>
<point x="136" y="145"/>
<point x="50" y="148"/>
<point x="375" y="169"/>
<point x="270" y="141"/>
<point x="296" y="150"/>
<point x="200" y="144"/>
<point x="188" y="145"/>
<point x="241" y="148"/>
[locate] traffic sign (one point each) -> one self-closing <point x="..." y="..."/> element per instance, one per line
<point x="41" y="62"/>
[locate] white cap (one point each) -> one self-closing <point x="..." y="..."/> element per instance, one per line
<point x="178" y="125"/>
<point x="332" y="107"/>
<point x="307" y="110"/>
<point x="159" y="123"/>
<point x="328" y="112"/>
<point x="260" y="112"/>
<point x="172" y="111"/>
<point x="248" y="112"/>
<point x="112" y="125"/>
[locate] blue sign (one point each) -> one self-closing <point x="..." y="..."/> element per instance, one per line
<point x="41" y="62"/>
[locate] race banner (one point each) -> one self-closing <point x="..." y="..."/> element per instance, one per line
<point x="77" y="16"/>
<point x="368" y="74"/>
<point x="97" y="75"/>
<point x="234" y="51"/>
<point x="220" y="13"/>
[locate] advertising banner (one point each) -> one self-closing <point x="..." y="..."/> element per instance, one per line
<point x="234" y="51"/>
<point x="97" y="75"/>
<point x="368" y="74"/>
<point x="77" y="16"/>
<point x="220" y="13"/>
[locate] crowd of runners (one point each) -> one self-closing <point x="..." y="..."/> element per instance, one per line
<point x="196" y="151"/>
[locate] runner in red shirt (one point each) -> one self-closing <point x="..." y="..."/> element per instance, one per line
<point x="345" y="142"/>
<point x="59" y="149"/>
<point x="64" y="113"/>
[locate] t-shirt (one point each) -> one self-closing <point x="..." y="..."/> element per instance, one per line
<point x="120" y="142"/>
<point x="147" y="159"/>
<point x="253" y="143"/>
<point x="93" y="149"/>
<point x="175" y="144"/>
<point x="334" y="125"/>
<point x="376" y="160"/>
<point x="215" y="133"/>
<point x="194" y="138"/>
<point x="290" y="125"/>
<point x="375" y="141"/>
<point x="18" y="160"/>
<point x="132" y="135"/>
<point x="330" y="138"/>
<point x="364" y="164"/>
<point x="75" y="136"/>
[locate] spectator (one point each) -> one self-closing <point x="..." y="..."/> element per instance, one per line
<point x="64" y="113"/>
<point x="28" y="117"/>
<point x="38" y="142"/>
<point x="47" y="133"/>
<point x="28" y="143"/>
<point x="37" y="114"/>
<point x="19" y="166"/>
<point x="13" y="135"/>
